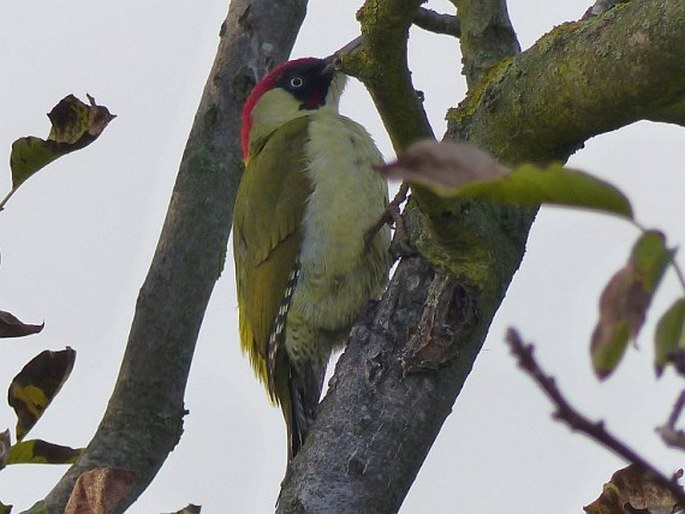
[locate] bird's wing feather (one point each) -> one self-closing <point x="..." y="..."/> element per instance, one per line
<point x="266" y="234"/>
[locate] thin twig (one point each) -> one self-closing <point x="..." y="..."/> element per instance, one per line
<point x="7" y="197"/>
<point x="391" y="214"/>
<point x="678" y="271"/>
<point x="670" y="435"/>
<point x="437" y="22"/>
<point x="677" y="410"/>
<point x="576" y="421"/>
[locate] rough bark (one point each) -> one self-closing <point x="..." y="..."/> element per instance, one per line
<point x="144" y="418"/>
<point x="490" y="36"/>
<point x="408" y="358"/>
<point x="579" y="80"/>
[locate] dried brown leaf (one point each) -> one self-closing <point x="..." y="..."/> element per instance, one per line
<point x="443" y="165"/>
<point x="631" y="490"/>
<point x="74" y="126"/>
<point x="11" y="326"/>
<point x="99" y="490"/>
<point x="189" y="509"/>
<point x="625" y="300"/>
<point x="619" y="313"/>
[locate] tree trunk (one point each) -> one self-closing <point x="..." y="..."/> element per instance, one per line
<point x="144" y="418"/>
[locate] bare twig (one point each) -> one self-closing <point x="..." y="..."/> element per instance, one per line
<point x="678" y="271"/>
<point x="670" y="435"/>
<point x="437" y="22"/>
<point x="391" y="214"/>
<point x="7" y="197"/>
<point x="577" y="422"/>
<point x="677" y="409"/>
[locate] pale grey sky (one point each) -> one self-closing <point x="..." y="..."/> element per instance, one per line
<point x="76" y="242"/>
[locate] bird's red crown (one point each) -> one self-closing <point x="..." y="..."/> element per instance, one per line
<point x="264" y="85"/>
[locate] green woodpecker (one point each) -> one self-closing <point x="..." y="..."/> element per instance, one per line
<point x="307" y="199"/>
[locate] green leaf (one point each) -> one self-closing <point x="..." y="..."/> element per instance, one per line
<point x="670" y="339"/>
<point x="5" y="509"/>
<point x="530" y="186"/>
<point x="36" y="385"/>
<point x="74" y="126"/>
<point x="37" y="451"/>
<point x="30" y="154"/>
<point x="651" y="258"/>
<point x="5" y="444"/>
<point x="625" y="300"/>
<point x="461" y="170"/>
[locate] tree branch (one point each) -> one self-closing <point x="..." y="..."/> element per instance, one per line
<point x="670" y="435"/>
<point x="379" y="411"/>
<point x="381" y="64"/>
<point x="143" y="421"/>
<point x="576" y="421"/>
<point x="579" y="80"/>
<point x="436" y="22"/>
<point x="489" y="38"/>
<point x="385" y="404"/>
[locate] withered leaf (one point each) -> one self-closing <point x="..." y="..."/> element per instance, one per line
<point x="36" y="385"/>
<point x="190" y="509"/>
<point x="76" y="123"/>
<point x="74" y="126"/>
<point x="625" y="300"/>
<point x="443" y="166"/>
<point x="37" y="451"/>
<point x="620" y="305"/>
<point x="99" y="490"/>
<point x="631" y="490"/>
<point x="11" y="326"/>
<point x="461" y="170"/>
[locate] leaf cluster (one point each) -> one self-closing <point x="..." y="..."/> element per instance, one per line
<point x="74" y="126"/>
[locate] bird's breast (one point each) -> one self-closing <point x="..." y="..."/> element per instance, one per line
<point x="348" y="195"/>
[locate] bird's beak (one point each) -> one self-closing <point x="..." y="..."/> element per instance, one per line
<point x="334" y="61"/>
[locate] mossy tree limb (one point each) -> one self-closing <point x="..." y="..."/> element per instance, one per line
<point x="579" y="80"/>
<point x="490" y="36"/>
<point x="381" y="64"/>
<point x="582" y="79"/>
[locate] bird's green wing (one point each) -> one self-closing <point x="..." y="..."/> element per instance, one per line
<point x="268" y="215"/>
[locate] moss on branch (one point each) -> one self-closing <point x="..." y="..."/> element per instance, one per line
<point x="381" y="64"/>
<point x="579" y="80"/>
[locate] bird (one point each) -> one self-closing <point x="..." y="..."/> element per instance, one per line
<point x="306" y="262"/>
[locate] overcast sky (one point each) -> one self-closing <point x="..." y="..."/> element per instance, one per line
<point x="77" y="239"/>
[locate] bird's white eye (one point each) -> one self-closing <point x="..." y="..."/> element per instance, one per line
<point x="296" y="82"/>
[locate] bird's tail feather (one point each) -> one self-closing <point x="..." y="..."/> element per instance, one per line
<point x="305" y="390"/>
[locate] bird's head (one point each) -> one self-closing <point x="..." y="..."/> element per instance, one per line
<point x="291" y="90"/>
